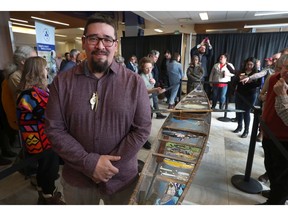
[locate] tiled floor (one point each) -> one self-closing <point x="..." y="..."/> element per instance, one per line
<point x="225" y="156"/>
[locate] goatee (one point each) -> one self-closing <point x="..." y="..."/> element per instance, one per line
<point x="99" y="67"/>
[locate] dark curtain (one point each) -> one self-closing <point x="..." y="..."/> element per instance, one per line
<point x="141" y="45"/>
<point x="240" y="46"/>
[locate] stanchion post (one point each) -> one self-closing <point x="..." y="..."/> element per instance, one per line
<point x="225" y="119"/>
<point x="245" y="183"/>
<point x="250" y="157"/>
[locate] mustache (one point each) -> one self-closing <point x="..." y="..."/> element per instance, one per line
<point x="100" y="52"/>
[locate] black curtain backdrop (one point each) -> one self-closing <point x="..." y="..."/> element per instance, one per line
<point x="240" y="46"/>
<point x="141" y="46"/>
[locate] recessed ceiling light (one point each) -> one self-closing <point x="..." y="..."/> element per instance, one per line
<point x="158" y="30"/>
<point x="21" y="24"/>
<point x="59" y="35"/>
<point x="52" y="21"/>
<point x="203" y="16"/>
<point x="23" y="30"/>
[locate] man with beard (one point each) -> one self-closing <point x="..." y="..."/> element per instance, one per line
<point x="204" y="56"/>
<point x="98" y="117"/>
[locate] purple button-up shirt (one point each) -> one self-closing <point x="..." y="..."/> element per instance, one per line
<point x="120" y="125"/>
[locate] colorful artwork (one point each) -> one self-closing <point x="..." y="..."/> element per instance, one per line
<point x="182" y="151"/>
<point x="175" y="169"/>
<point x="187" y="124"/>
<point x="179" y="134"/>
<point x="173" y="192"/>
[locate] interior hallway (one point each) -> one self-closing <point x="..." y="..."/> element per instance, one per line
<point x="225" y="156"/>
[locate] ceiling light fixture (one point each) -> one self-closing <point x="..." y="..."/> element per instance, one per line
<point x="158" y="30"/>
<point x="185" y="20"/>
<point x="23" y="30"/>
<point x="270" y="13"/>
<point x="18" y="20"/>
<point x="221" y="30"/>
<point x="203" y="16"/>
<point x="51" y="21"/>
<point x="21" y="24"/>
<point x="59" y="35"/>
<point x="267" y="25"/>
<point x="60" y="42"/>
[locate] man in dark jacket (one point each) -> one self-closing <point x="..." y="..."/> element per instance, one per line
<point x="204" y="55"/>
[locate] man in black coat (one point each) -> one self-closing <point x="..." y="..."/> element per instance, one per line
<point x="204" y="55"/>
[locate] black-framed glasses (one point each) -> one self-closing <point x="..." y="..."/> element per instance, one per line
<point x="94" y="40"/>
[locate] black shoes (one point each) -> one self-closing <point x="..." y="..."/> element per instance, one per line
<point x="259" y="137"/>
<point x="237" y="130"/>
<point x="265" y="193"/>
<point x="160" y="116"/>
<point x="50" y="199"/>
<point x="245" y="134"/>
<point x="147" y="145"/>
<point x="263" y="178"/>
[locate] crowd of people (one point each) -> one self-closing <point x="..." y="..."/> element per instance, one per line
<point x="96" y="113"/>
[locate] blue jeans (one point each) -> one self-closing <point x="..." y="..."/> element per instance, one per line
<point x="174" y="92"/>
<point x="219" y="94"/>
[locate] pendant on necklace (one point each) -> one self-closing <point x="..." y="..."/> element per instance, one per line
<point x="94" y="101"/>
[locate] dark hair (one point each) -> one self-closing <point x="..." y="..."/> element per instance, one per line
<point x="167" y="51"/>
<point x="225" y="54"/>
<point x="100" y="18"/>
<point x="250" y="59"/>
<point x="175" y="56"/>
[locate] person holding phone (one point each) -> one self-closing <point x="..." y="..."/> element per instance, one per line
<point x="204" y="51"/>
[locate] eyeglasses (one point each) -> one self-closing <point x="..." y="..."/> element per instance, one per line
<point x="94" y="40"/>
<point x="148" y="68"/>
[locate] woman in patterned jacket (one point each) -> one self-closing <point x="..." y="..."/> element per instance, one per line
<point x="31" y="104"/>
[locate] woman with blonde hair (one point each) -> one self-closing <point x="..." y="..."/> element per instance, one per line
<point x="31" y="105"/>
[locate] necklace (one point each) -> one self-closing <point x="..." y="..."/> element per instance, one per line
<point x="94" y="101"/>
